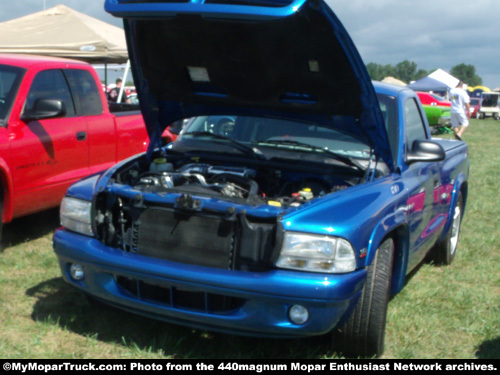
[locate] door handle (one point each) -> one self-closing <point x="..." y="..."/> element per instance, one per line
<point x="81" y="136"/>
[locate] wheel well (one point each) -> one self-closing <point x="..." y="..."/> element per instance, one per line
<point x="464" y="189"/>
<point x="4" y="196"/>
<point x="400" y="236"/>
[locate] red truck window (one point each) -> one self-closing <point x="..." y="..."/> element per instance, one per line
<point x="87" y="97"/>
<point x="50" y="84"/>
<point x="10" y="78"/>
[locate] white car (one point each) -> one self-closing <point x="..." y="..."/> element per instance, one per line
<point x="490" y="105"/>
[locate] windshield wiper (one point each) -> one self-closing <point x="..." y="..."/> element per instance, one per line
<point x="344" y="159"/>
<point x="253" y="151"/>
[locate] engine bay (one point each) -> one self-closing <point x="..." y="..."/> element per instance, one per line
<point x="154" y="207"/>
<point x="276" y="184"/>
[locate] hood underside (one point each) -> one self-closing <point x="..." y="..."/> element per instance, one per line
<point x="279" y="58"/>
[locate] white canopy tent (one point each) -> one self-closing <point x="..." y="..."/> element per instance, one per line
<point x="444" y="77"/>
<point x="394" y="81"/>
<point x="64" y="32"/>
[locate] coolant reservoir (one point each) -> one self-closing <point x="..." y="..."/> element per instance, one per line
<point x="306" y="194"/>
<point x="159" y="165"/>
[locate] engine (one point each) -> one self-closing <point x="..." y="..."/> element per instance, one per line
<point x="274" y="186"/>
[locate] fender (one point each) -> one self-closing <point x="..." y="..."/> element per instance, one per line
<point x="85" y="188"/>
<point x="6" y="180"/>
<point x="392" y="224"/>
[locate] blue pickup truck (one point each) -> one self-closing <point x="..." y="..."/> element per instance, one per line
<point x="297" y="197"/>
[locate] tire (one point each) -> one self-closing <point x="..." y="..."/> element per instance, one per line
<point x="444" y="252"/>
<point x="364" y="333"/>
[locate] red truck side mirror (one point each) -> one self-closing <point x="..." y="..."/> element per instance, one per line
<point x="44" y="109"/>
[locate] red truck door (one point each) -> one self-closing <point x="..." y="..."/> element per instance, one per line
<point x="48" y="154"/>
<point x="89" y="103"/>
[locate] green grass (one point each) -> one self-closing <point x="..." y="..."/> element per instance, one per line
<point x="443" y="312"/>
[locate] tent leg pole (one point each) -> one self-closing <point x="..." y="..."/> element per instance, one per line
<point x="106" y="72"/>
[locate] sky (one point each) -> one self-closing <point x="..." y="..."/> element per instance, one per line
<point x="432" y="33"/>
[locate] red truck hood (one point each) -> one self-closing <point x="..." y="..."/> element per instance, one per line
<point x="286" y="58"/>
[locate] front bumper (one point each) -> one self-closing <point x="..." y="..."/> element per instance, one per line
<point x="444" y="121"/>
<point x="254" y="303"/>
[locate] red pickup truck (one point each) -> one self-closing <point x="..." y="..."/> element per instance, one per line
<point x="55" y="128"/>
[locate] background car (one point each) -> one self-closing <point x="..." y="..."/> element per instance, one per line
<point x="490" y="105"/>
<point x="429" y="98"/>
<point x="475" y="104"/>
<point x="437" y="109"/>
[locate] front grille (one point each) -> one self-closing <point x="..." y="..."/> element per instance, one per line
<point x="198" y="240"/>
<point x="227" y="240"/>
<point x="177" y="297"/>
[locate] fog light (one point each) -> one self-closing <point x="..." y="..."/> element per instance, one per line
<point x="76" y="272"/>
<point x="298" y="314"/>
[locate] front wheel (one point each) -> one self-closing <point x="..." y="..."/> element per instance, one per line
<point x="363" y="334"/>
<point x="444" y="251"/>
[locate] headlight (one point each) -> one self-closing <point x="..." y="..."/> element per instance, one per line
<point x="315" y="253"/>
<point x="75" y="215"/>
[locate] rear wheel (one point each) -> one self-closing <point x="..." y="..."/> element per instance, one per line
<point x="444" y="252"/>
<point x="363" y="334"/>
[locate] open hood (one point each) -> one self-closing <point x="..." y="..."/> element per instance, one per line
<point x="287" y="58"/>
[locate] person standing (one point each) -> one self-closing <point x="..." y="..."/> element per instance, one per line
<point x="115" y="91"/>
<point x="460" y="110"/>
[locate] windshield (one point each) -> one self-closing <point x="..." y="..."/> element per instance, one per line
<point x="490" y="100"/>
<point x="437" y="97"/>
<point x="273" y="137"/>
<point x="10" y="78"/>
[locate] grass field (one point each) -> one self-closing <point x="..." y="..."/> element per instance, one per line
<point x="443" y="312"/>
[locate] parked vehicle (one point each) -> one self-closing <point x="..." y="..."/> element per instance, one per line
<point x="437" y="109"/>
<point x="56" y="128"/>
<point x="475" y="104"/>
<point x="429" y="98"/>
<point x="300" y="216"/>
<point x="490" y="105"/>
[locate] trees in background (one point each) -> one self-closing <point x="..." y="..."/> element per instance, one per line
<point x="467" y="74"/>
<point x="408" y="71"/>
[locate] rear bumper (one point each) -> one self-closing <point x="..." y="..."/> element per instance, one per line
<point x="246" y="303"/>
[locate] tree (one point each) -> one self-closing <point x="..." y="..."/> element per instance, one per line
<point x="405" y="71"/>
<point x="420" y="74"/>
<point x="379" y="72"/>
<point x="467" y="74"/>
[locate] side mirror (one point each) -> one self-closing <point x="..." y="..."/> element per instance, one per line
<point x="176" y="127"/>
<point x="44" y="109"/>
<point x="426" y="151"/>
